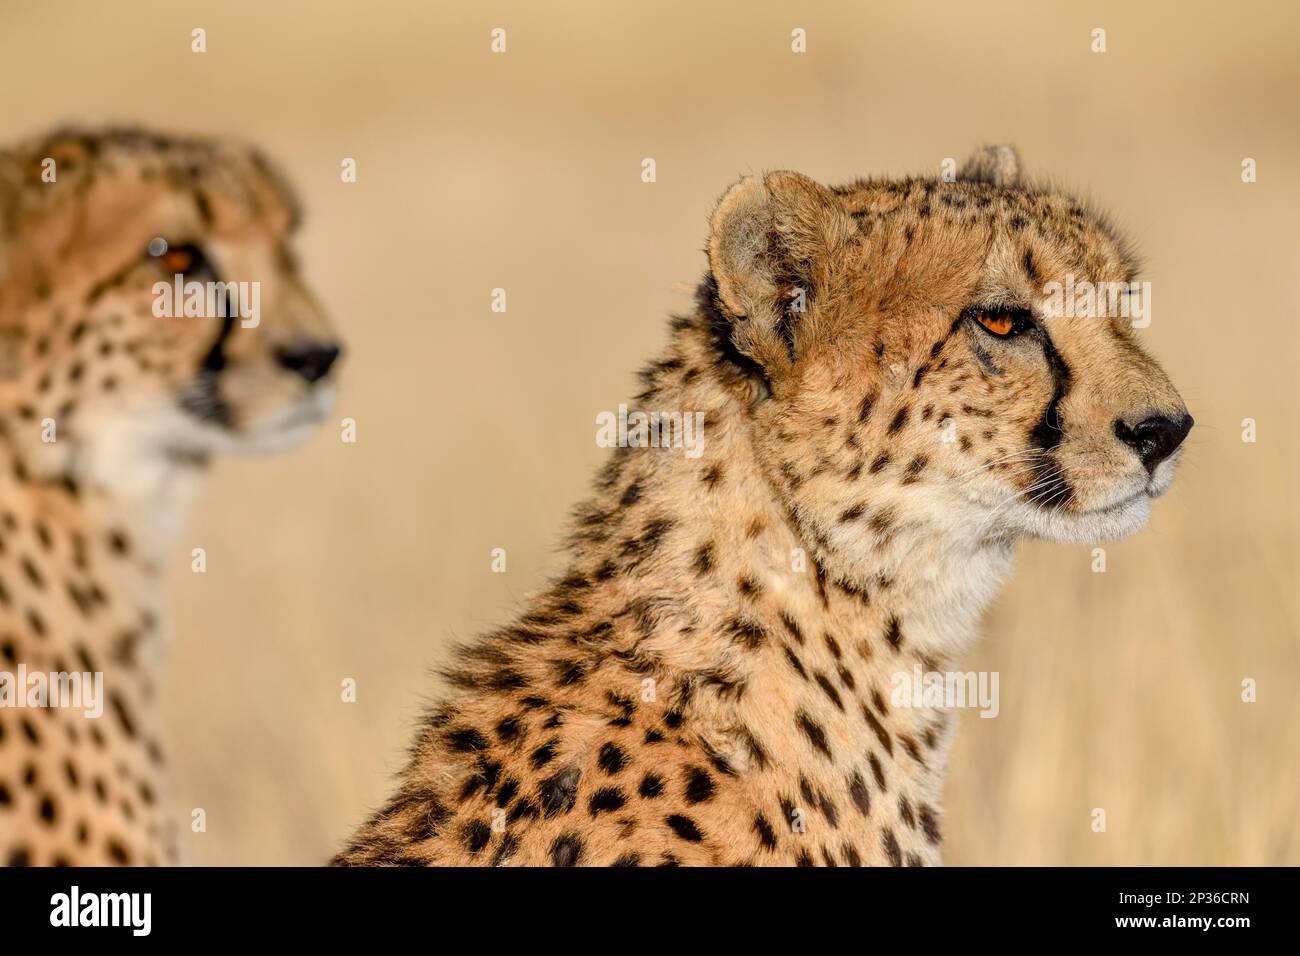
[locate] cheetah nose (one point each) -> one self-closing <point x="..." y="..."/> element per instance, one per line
<point x="311" y="360"/>
<point x="1155" y="437"/>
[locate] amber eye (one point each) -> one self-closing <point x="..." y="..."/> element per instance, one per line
<point x="999" y="323"/>
<point x="183" y="259"/>
<point x="177" y="260"/>
<point x="1003" y="323"/>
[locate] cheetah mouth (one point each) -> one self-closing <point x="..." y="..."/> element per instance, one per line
<point x="289" y="425"/>
<point x="1115" y="507"/>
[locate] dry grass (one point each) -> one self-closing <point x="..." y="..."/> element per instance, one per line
<point x="1119" y="690"/>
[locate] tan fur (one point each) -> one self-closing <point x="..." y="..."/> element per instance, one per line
<point x="690" y="692"/>
<point x="88" y="521"/>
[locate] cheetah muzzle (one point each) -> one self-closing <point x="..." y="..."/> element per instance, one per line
<point x="891" y="402"/>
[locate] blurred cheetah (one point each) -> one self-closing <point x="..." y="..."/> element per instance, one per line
<point x="887" y="400"/>
<point x="108" y="414"/>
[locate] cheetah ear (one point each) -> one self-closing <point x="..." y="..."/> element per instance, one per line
<point x="996" y="165"/>
<point x="771" y="238"/>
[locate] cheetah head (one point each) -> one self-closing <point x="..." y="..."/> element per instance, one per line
<point x="916" y="367"/>
<point x="99" y="231"/>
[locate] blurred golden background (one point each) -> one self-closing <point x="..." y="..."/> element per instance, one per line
<point x="1119" y="690"/>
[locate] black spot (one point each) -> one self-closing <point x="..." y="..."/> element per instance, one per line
<point x="766" y="835"/>
<point x="814" y="732"/>
<point x="33" y="573"/>
<point x="890" y="844"/>
<point x="475" y="835"/>
<point x="893" y="633"/>
<point x="544" y="754"/>
<point x="508" y="729"/>
<point x="123" y="715"/>
<point x="829" y="689"/>
<point x="877" y="770"/>
<point x="900" y="419"/>
<point x="914" y="468"/>
<point x="566" y="850"/>
<point x="117" y="853"/>
<point x="509" y="788"/>
<point x="858" y="793"/>
<point x="699" y="786"/>
<point x="606" y="799"/>
<point x="930" y="826"/>
<point x="631" y="495"/>
<point x="524" y="809"/>
<point x="747" y="633"/>
<point x="36" y="622"/>
<point x="652" y="785"/>
<point x="505" y="850"/>
<point x="1031" y="269"/>
<point x="611" y="758"/>
<point x="853" y="513"/>
<point x="685" y="828"/>
<point x="117" y="542"/>
<point x="628" y="860"/>
<point x="795" y="663"/>
<point x="905" y="812"/>
<point x="879" y="729"/>
<point x="466" y="739"/>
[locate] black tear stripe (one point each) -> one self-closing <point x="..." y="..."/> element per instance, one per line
<point x="204" y="400"/>
<point x="1050" y="489"/>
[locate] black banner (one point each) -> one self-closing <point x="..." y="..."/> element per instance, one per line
<point x="207" y="905"/>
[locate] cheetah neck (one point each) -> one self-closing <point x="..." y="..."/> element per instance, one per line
<point x="758" y="635"/>
<point x="81" y="567"/>
<point x="707" y="541"/>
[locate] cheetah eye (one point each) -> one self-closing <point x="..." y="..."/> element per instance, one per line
<point x="184" y="259"/>
<point x="1000" y="323"/>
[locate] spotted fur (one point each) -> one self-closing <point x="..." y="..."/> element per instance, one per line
<point x="709" y="682"/>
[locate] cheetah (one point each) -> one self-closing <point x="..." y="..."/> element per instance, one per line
<point x="889" y="407"/>
<point x="109" y="415"/>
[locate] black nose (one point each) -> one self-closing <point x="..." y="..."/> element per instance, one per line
<point x="312" y="361"/>
<point x="1154" y="438"/>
